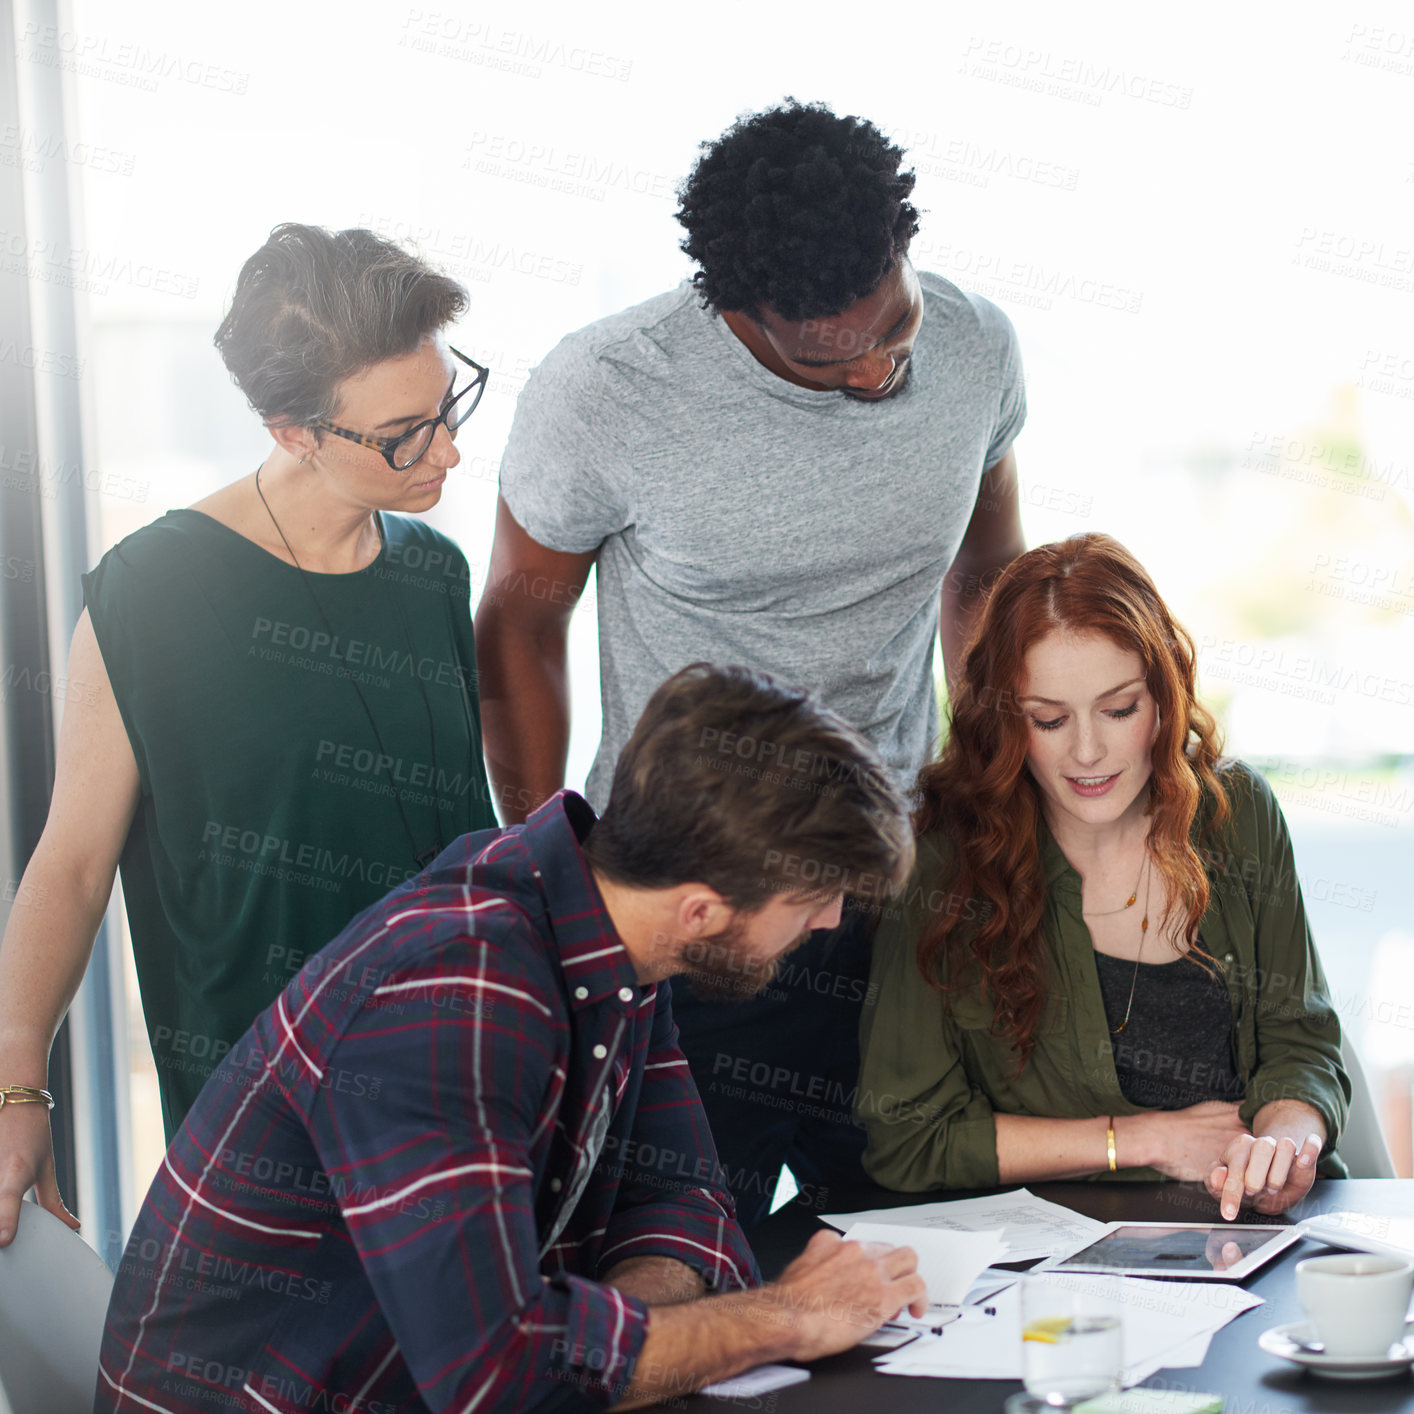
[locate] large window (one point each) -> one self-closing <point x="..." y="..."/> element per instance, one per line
<point x="1199" y="229"/>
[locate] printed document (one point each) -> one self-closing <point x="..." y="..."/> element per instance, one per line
<point x="1031" y="1227"/>
<point x="1166" y="1324"/>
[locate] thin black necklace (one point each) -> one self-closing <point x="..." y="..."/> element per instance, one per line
<point x="424" y="857"/>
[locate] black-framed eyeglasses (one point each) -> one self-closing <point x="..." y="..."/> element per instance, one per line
<point x="409" y="448"/>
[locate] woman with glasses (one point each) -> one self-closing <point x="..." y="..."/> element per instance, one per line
<point x="1102" y="962"/>
<point x="272" y="718"/>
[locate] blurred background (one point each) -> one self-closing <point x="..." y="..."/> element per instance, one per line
<point x="1200" y="225"/>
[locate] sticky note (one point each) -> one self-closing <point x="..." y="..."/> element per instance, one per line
<point x="752" y="1383"/>
<point x="1152" y="1401"/>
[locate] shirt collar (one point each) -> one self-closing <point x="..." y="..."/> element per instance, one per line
<point x="1058" y="870"/>
<point x="594" y="960"/>
<point x="761" y="377"/>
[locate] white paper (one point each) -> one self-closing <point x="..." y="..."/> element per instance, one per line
<point x="1164" y="1322"/>
<point x="752" y="1383"/>
<point x="905" y="1327"/>
<point x="979" y="1347"/>
<point x="1190" y="1354"/>
<point x="1032" y="1226"/>
<point x="1365" y="1232"/>
<point x="948" y="1262"/>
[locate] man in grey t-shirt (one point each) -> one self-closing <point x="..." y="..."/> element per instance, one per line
<point x="807" y="470"/>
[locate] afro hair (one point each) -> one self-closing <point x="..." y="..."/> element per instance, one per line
<point x="796" y="210"/>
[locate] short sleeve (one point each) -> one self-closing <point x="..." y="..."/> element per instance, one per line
<point x="564" y="467"/>
<point x="133" y="596"/>
<point x="1011" y="380"/>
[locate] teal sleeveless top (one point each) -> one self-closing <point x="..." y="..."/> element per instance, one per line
<point x="304" y="743"/>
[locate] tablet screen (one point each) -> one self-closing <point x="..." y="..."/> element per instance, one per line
<point x="1189" y="1250"/>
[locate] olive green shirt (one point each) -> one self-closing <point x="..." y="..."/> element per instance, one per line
<point x="934" y="1075"/>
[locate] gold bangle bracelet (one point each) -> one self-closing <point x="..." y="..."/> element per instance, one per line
<point x="25" y="1095"/>
<point x="1110" y="1144"/>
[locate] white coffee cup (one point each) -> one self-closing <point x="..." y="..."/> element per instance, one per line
<point x="1355" y="1304"/>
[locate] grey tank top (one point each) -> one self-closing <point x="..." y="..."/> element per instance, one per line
<point x="1177" y="1048"/>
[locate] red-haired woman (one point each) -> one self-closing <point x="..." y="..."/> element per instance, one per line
<point x="1102" y="962"/>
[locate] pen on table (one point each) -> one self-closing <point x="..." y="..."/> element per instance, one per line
<point x="938" y="1329"/>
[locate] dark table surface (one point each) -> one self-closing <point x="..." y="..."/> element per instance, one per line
<point x="1252" y="1381"/>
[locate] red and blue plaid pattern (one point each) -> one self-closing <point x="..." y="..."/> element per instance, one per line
<point x="372" y="1205"/>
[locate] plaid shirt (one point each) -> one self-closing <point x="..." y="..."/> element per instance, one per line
<point x="402" y="1189"/>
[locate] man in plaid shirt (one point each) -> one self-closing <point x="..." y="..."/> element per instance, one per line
<point x="461" y="1163"/>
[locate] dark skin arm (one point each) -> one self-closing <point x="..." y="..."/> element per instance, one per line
<point x="992" y="540"/>
<point x="522" y="625"/>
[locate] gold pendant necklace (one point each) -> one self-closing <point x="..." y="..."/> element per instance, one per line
<point x="1129" y="902"/>
<point x="1143" y="934"/>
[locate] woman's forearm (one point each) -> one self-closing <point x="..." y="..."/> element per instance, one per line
<point x="45" y="950"/>
<point x="66" y="886"/>
<point x="1030" y="1147"/>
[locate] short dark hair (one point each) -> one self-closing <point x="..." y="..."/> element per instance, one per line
<point x="796" y="210"/>
<point x="313" y="307"/>
<point x="733" y="780"/>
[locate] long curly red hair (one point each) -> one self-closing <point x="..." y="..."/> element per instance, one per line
<point x="981" y="797"/>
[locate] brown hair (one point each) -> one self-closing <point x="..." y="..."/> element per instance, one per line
<point x="980" y="795"/>
<point x="313" y="307"/>
<point x="733" y="780"/>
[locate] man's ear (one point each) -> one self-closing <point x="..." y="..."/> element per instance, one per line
<point x="701" y="910"/>
<point x="296" y="442"/>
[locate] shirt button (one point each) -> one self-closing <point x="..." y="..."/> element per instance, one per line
<point x="625" y="994"/>
<point x="600" y="1052"/>
<point x="580" y="993"/>
<point x="555" y="1185"/>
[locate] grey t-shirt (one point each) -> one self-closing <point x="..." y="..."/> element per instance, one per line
<point x="741" y="519"/>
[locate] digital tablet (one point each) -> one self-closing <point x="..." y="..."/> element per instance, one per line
<point x="1195" y="1251"/>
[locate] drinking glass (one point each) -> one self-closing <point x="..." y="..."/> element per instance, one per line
<point x="1072" y="1342"/>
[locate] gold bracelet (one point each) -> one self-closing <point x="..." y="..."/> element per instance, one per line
<point x="1110" y="1144"/>
<point x="25" y="1095"/>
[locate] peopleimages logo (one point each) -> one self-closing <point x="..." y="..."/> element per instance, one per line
<point x="1068" y="76"/>
<point x="81" y="268"/>
<point x="585" y="174"/>
<point x="468" y="256"/>
<point x="301" y="862"/>
<point x="1026" y="282"/>
<point x="23" y="147"/>
<point x="1270" y="666"/>
<point x="511" y="51"/>
<point x="329" y="652"/>
<point x="122" y="61"/>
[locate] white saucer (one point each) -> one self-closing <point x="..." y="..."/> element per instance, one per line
<point x="1282" y="1341"/>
